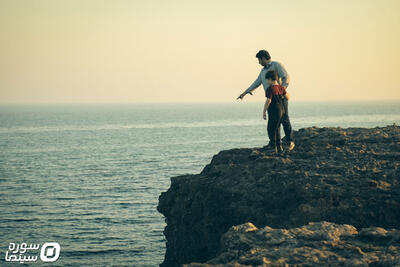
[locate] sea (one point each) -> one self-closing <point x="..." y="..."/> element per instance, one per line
<point x="88" y="176"/>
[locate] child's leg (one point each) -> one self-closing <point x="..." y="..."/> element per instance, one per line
<point x="273" y="121"/>
<point x="281" y="116"/>
<point x="278" y="134"/>
<point x="271" y="128"/>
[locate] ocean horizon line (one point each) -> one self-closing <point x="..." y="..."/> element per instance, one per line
<point x="194" y="102"/>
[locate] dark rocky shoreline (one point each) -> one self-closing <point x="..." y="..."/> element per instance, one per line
<point x="334" y="175"/>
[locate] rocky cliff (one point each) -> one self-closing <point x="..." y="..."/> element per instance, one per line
<point x="315" y="244"/>
<point x="342" y="177"/>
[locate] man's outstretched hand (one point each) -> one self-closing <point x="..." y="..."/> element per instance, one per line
<point x="243" y="94"/>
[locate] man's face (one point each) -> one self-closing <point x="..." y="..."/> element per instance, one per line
<point x="262" y="61"/>
<point x="269" y="81"/>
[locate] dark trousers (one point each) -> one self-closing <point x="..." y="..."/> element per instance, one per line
<point x="287" y="127"/>
<point x="275" y="115"/>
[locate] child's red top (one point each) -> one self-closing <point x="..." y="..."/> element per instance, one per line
<point x="275" y="90"/>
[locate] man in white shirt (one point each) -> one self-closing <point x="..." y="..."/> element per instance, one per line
<point x="264" y="59"/>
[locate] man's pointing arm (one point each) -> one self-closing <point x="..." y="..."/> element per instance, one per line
<point x="253" y="86"/>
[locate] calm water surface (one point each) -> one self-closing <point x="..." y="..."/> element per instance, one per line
<point x="88" y="176"/>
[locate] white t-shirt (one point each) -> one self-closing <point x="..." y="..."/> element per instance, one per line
<point x="283" y="76"/>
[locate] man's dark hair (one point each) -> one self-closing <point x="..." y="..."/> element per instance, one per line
<point x="271" y="75"/>
<point x="263" y="53"/>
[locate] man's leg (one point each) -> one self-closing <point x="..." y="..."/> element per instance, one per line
<point x="287" y="127"/>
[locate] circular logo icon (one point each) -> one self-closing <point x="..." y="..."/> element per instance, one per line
<point x="50" y="252"/>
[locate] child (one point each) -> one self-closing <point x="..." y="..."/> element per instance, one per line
<point x="274" y="104"/>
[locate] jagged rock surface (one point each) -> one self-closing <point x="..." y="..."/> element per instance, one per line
<point x="345" y="176"/>
<point x="315" y="244"/>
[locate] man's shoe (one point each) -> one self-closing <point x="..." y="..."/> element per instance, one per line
<point x="291" y="146"/>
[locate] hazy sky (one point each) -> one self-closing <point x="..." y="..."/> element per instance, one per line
<point x="58" y="51"/>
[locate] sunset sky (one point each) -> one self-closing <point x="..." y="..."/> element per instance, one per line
<point x="73" y="51"/>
